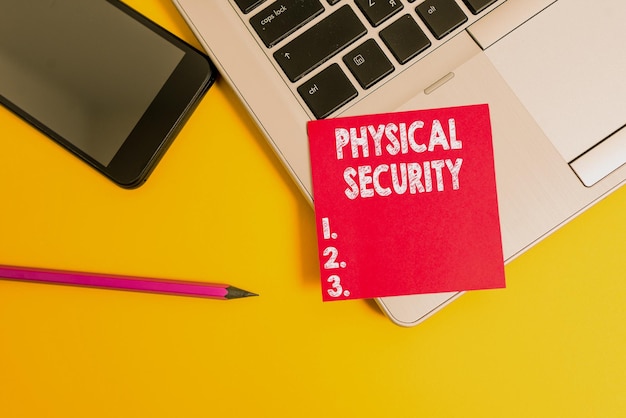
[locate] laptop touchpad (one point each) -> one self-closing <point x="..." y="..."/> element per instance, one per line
<point x="567" y="65"/>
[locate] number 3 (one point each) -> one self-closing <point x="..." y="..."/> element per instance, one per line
<point x="336" y="290"/>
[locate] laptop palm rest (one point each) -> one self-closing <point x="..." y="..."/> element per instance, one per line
<point x="566" y="65"/>
<point x="530" y="206"/>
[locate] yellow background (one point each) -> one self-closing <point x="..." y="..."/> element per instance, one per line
<point x="220" y="208"/>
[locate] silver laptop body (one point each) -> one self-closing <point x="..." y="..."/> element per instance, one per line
<point x="551" y="71"/>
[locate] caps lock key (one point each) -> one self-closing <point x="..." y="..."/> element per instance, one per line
<point x="283" y="17"/>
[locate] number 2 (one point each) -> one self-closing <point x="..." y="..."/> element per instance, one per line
<point x="331" y="263"/>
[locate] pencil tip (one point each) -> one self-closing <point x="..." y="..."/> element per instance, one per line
<point x="235" y="293"/>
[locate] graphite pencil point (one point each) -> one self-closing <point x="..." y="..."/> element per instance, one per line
<point x="235" y="293"/>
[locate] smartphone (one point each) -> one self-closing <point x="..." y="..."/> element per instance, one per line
<point x="99" y="78"/>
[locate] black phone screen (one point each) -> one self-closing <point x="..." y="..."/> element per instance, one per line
<point x="84" y="70"/>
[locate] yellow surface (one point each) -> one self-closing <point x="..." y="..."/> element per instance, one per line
<point x="220" y="208"/>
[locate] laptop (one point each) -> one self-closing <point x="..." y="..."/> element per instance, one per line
<point x="551" y="71"/>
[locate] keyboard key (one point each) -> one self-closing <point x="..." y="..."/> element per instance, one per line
<point x="247" y="6"/>
<point x="282" y="18"/>
<point x="404" y="38"/>
<point x="319" y="43"/>
<point x="333" y="2"/>
<point x="327" y="91"/>
<point x="368" y="63"/>
<point x="441" y="16"/>
<point x="477" y="6"/>
<point x="380" y="10"/>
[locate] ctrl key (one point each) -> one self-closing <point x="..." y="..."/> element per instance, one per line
<point x="327" y="91"/>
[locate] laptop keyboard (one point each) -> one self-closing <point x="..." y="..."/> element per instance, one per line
<point x="333" y="51"/>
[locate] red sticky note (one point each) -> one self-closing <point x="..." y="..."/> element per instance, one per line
<point x="406" y="203"/>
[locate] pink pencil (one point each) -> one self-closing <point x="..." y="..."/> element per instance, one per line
<point x="139" y="284"/>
